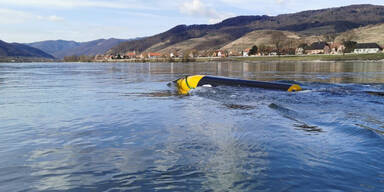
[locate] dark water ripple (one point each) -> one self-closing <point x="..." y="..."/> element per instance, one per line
<point x="118" y="127"/>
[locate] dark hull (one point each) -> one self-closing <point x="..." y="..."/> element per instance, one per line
<point x="217" y="81"/>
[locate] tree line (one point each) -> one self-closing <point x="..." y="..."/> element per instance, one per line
<point x="81" y="58"/>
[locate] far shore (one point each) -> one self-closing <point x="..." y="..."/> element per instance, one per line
<point x="298" y="58"/>
<point x="346" y="57"/>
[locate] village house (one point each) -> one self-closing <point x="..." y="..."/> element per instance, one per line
<point x="245" y="53"/>
<point x="154" y="55"/>
<point x="220" y="53"/>
<point x="130" y="55"/>
<point x="299" y="51"/>
<point x="337" y="48"/>
<point x="362" y="48"/>
<point x="143" y="55"/>
<point x="273" y="53"/>
<point x="108" y="57"/>
<point x="318" y="48"/>
<point x="118" y="56"/>
<point x="234" y="53"/>
<point x="191" y="54"/>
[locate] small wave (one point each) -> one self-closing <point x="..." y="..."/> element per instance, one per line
<point x="239" y="106"/>
<point x="375" y="93"/>
<point x="371" y="129"/>
<point x="293" y="115"/>
<point x="155" y="94"/>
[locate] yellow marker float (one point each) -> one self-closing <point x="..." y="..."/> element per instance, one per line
<point x="184" y="85"/>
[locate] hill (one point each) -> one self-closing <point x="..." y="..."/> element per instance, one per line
<point x="307" y="23"/>
<point x="367" y="34"/>
<point x="55" y="48"/>
<point x="265" y="37"/>
<point x="21" y="50"/>
<point x="61" y="48"/>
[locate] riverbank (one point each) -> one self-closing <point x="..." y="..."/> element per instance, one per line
<point x="346" y="57"/>
<point x="24" y="60"/>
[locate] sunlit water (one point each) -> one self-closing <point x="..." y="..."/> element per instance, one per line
<point x="118" y="127"/>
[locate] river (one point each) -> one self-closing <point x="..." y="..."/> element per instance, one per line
<point x="119" y="127"/>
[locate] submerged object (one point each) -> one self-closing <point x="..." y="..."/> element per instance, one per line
<point x="184" y="85"/>
<point x="375" y="93"/>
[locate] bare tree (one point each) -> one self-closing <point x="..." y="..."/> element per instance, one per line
<point x="330" y="37"/>
<point x="278" y="39"/>
<point x="349" y="36"/>
<point x="347" y="40"/>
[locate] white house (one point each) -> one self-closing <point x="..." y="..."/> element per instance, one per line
<point x="318" y="48"/>
<point x="362" y="48"/>
<point x="299" y="51"/>
<point x="246" y="52"/>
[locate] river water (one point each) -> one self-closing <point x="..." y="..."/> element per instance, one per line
<point x="119" y="127"/>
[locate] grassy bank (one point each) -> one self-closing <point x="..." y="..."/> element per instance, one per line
<point x="347" y="57"/>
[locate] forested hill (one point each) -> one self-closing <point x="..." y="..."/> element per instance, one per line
<point x="21" y="50"/>
<point x="61" y="48"/>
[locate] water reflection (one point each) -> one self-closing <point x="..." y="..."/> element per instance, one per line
<point x="331" y="72"/>
<point x="228" y="148"/>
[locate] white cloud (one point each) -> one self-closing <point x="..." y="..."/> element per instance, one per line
<point x="10" y="16"/>
<point x="199" y="9"/>
<point x="55" y="18"/>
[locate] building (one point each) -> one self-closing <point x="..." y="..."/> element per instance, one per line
<point x="154" y="55"/>
<point x="337" y="49"/>
<point x="245" y="53"/>
<point x="362" y="48"/>
<point x="130" y="55"/>
<point x="299" y="51"/>
<point x="220" y="53"/>
<point x="318" y="48"/>
<point x="234" y="53"/>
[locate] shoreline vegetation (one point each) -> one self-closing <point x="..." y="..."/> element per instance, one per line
<point x="346" y="57"/>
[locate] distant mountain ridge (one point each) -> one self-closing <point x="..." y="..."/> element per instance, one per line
<point x="21" y="50"/>
<point x="62" y="48"/>
<point x="203" y="37"/>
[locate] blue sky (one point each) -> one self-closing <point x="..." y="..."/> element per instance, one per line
<point x="85" y="20"/>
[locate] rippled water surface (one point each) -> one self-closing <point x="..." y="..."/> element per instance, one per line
<point x="118" y="127"/>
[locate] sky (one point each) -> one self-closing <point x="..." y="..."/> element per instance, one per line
<point x="27" y="21"/>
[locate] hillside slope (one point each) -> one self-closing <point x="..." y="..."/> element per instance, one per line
<point x="317" y="22"/>
<point x="21" y="50"/>
<point x="61" y="48"/>
<point x="367" y="34"/>
<point x="52" y="47"/>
